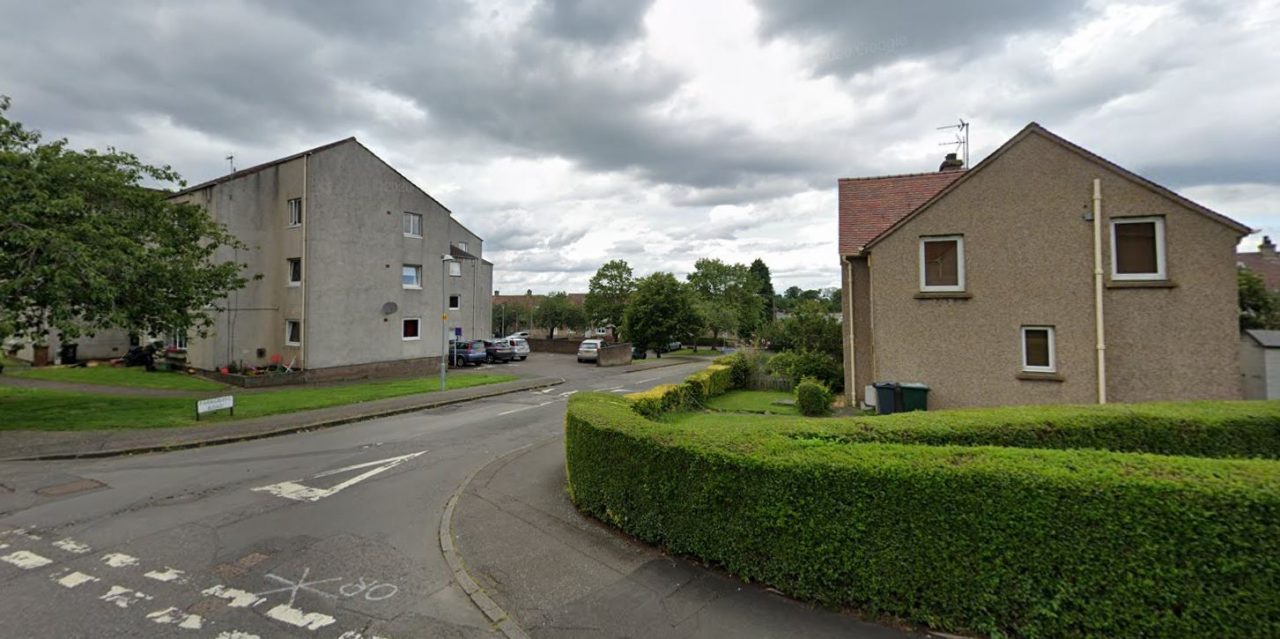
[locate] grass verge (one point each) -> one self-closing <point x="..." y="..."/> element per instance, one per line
<point x="132" y="377"/>
<point x="747" y="401"/>
<point x="33" y="409"/>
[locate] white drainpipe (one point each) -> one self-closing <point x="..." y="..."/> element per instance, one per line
<point x="1097" y="291"/>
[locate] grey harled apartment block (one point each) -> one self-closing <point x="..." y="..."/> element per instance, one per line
<point x="341" y="211"/>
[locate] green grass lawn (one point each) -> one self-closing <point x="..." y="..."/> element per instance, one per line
<point x="33" y="409"/>
<point x="703" y="351"/>
<point x="135" y="377"/>
<point x="747" y="401"/>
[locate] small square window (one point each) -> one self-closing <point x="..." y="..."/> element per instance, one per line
<point x="455" y="302"/>
<point x="455" y="268"/>
<point x="412" y="224"/>
<point x="1137" y="248"/>
<point x="409" y="329"/>
<point x="292" y="332"/>
<point x="1038" y="350"/>
<point x="411" y="276"/>
<point x="295" y="212"/>
<point x="942" y="263"/>
<point x="463" y="246"/>
<point x="295" y="271"/>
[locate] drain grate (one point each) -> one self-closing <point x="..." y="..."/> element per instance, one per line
<point x="71" y="487"/>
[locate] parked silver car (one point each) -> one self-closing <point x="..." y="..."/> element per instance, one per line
<point x="521" y="348"/>
<point x="589" y="350"/>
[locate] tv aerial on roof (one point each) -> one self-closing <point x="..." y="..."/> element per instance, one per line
<point x="961" y="143"/>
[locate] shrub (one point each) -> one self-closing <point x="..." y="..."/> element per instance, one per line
<point x="1199" y="429"/>
<point x="709" y="382"/>
<point x="812" y="398"/>
<point x="797" y="365"/>
<point x="1000" y="541"/>
<point x="660" y="400"/>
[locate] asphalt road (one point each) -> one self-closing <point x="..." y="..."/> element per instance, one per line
<point x="331" y="533"/>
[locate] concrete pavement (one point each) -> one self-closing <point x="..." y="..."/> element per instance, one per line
<point x="560" y="574"/>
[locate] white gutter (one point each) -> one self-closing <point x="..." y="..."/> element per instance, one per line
<point x="1097" y="291"/>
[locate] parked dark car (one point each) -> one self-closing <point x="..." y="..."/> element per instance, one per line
<point x="639" y="353"/>
<point x="463" y="353"/>
<point x="499" y="350"/>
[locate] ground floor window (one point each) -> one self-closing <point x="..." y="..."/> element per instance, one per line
<point x="1038" y="350"/>
<point x="455" y="302"/>
<point x="410" y="328"/>
<point x="292" y="332"/>
<point x="178" y="340"/>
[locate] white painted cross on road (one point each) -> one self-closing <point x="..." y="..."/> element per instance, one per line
<point x="299" y="492"/>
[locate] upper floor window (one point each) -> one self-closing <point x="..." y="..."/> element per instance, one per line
<point x="455" y="268"/>
<point x="455" y="302"/>
<point x="1137" y="248"/>
<point x="295" y="271"/>
<point x="1037" y="350"/>
<point x="411" y="276"/>
<point x="412" y="224"/>
<point x="463" y="246"/>
<point x="295" y="212"/>
<point x="942" y="263"/>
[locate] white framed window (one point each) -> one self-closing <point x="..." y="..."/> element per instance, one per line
<point x="412" y="224"/>
<point x="1038" y="350"/>
<point x="942" y="263"/>
<point x="295" y="271"/>
<point x="295" y="212"/>
<point x="1137" y="248"/>
<point x="455" y="302"/>
<point x="411" y="276"/>
<point x="463" y="246"/>
<point x="178" y="340"/>
<point x="455" y="268"/>
<point x="292" y="332"/>
<point x="410" y="329"/>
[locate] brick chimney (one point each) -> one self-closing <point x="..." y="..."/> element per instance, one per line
<point x="952" y="163"/>
<point x="1267" y="249"/>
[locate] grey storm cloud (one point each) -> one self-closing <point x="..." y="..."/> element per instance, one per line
<point x="863" y="35"/>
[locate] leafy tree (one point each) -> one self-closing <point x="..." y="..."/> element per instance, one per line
<point x="661" y="311"/>
<point x="727" y="295"/>
<point x="608" y="293"/>
<point x="507" y="317"/>
<point x="764" y="288"/>
<point x="1259" y="308"/>
<point x="810" y="327"/>
<point x="834" y="301"/>
<point x="84" y="246"/>
<point x="558" y="310"/>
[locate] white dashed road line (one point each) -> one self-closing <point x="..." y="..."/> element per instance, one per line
<point x="26" y="560"/>
<point x="119" y="560"/>
<point x="75" y="578"/>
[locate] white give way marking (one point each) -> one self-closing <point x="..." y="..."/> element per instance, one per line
<point x="295" y="490"/>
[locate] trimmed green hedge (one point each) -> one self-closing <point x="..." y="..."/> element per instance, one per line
<point x="691" y="394"/>
<point x="1024" y="542"/>
<point x="1200" y="429"/>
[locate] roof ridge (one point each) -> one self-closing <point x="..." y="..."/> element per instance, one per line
<point x="900" y="175"/>
<point x="259" y="167"/>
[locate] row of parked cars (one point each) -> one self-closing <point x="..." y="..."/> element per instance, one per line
<point x="589" y="350"/>
<point x="488" y="351"/>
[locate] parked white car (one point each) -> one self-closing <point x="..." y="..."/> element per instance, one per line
<point x="519" y="335"/>
<point x="589" y="350"/>
<point x="521" y="347"/>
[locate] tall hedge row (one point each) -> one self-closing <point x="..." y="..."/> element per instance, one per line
<point x="690" y="394"/>
<point x="1200" y="429"/>
<point x="1001" y="541"/>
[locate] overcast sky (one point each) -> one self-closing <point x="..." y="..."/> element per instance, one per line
<point x="570" y="132"/>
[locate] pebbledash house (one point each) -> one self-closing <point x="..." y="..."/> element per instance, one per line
<point x="1045" y="274"/>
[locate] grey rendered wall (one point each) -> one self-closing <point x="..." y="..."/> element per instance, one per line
<point x="1272" y="358"/>
<point x="255" y="210"/>
<point x="357" y="249"/>
<point x="1029" y="261"/>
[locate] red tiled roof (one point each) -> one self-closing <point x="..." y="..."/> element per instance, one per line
<point x="1267" y="267"/>
<point x="869" y="206"/>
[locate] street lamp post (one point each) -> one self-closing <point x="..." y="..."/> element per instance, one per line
<point x="444" y="316"/>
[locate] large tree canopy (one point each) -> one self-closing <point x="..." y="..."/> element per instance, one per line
<point x="85" y="246"/>
<point x="661" y="311"/>
<point x="1259" y="308"/>
<point x="728" y="296"/>
<point x="607" y="295"/>
<point x="558" y="310"/>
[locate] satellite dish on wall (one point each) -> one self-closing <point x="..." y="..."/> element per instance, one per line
<point x="389" y="308"/>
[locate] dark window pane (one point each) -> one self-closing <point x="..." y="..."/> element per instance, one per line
<point x="941" y="263"/>
<point x="1136" y="248"/>
<point x="1037" y="347"/>
<point x="411" y="328"/>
